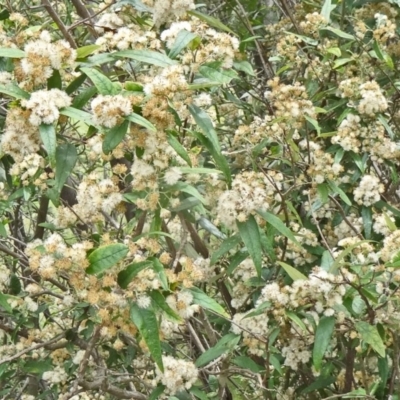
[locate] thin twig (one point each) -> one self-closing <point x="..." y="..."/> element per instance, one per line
<point x="59" y="23"/>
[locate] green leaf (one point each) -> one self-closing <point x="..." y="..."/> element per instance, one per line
<point x="103" y="84"/>
<point x="345" y="253"/>
<point x="157" y="391"/>
<point x="224" y="345"/>
<point x="37" y="367"/>
<point x="49" y="140"/>
<point x="181" y="151"/>
<point x="251" y="237"/>
<point x="279" y="225"/>
<point x="126" y="276"/>
<point x="103" y="258"/>
<point x="11" y="53"/>
<point x="75" y="84"/>
<point x="292" y="272"/>
<point x="384" y="122"/>
<point x="323" y="192"/>
<point x="335" y="51"/>
<point x="205" y="124"/>
<point x="227" y="245"/>
<point x="366" y="213"/>
<point x="184" y="187"/>
<point x="183" y="38"/>
<point x="341" y="61"/>
<point x="4" y="14"/>
<point x="327" y="9"/>
<point x="138" y="119"/>
<point x="369" y="334"/>
<point x="146" y="322"/>
<point x="114" y="136"/>
<point x="247" y="363"/>
<point x="336" y="189"/>
<point x="13" y="90"/>
<point x="77" y="115"/>
<point x="220" y="75"/>
<point x="339" y="33"/>
<point x="296" y="319"/>
<point x="15" y="285"/>
<point x="85" y="51"/>
<point x="244" y="66"/>
<point x="55" y="81"/>
<point x="322" y="339"/>
<point x="314" y="123"/>
<point x="147" y="57"/>
<point x="160" y="303"/>
<point x="66" y="156"/>
<point x="200" y="298"/>
<point x="162" y="276"/>
<point x="4" y="303"/>
<point x="83" y="97"/>
<point x="216" y="23"/>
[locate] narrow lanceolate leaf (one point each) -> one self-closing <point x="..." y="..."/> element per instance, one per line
<point x="103" y="84"/>
<point x="126" y="276"/>
<point x="11" y="53"/>
<point x="49" y="140"/>
<point x="225" y="344"/>
<point x="183" y="38"/>
<point x="181" y="151"/>
<point x="162" y="276"/>
<point x="138" y="119"/>
<point x="147" y="57"/>
<point x="227" y="245"/>
<point x="369" y="334"/>
<point x="77" y="114"/>
<point x="158" y="301"/>
<point x="200" y="298"/>
<point x="251" y="237"/>
<point x="205" y="124"/>
<point x="85" y="51"/>
<point x="216" y="23"/>
<point x="322" y="339"/>
<point x="279" y="225"/>
<point x="105" y="257"/>
<point x="217" y="74"/>
<point x="66" y="156"/>
<point x="13" y="90"/>
<point x="292" y="272"/>
<point x="146" y="322"/>
<point x="114" y="136"/>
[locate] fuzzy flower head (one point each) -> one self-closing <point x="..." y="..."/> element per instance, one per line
<point x="109" y="111"/>
<point x="45" y="105"/>
<point x="178" y="374"/>
<point x="43" y="56"/>
<point x="369" y="190"/>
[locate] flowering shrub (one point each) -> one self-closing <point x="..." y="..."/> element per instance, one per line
<point x="198" y="209"/>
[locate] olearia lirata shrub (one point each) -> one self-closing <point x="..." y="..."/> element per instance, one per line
<point x="199" y="201"/>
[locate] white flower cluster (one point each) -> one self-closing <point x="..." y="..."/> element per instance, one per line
<point x="20" y="137"/>
<point x="95" y="196"/>
<point x="4" y="276"/>
<point x="372" y="99"/>
<point x="170" y="80"/>
<point x="181" y="302"/>
<point x="382" y="222"/>
<point x="28" y="167"/>
<point x="109" y="111"/>
<point x="240" y="291"/>
<point x="45" y="105"/>
<point x="167" y="10"/>
<point x="368" y="191"/>
<point x="251" y="191"/>
<point x="391" y="246"/>
<point x="43" y="56"/>
<point x="178" y="374"/>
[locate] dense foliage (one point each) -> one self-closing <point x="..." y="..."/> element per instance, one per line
<point x="199" y="201"/>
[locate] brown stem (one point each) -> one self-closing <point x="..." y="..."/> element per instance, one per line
<point x="54" y="16"/>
